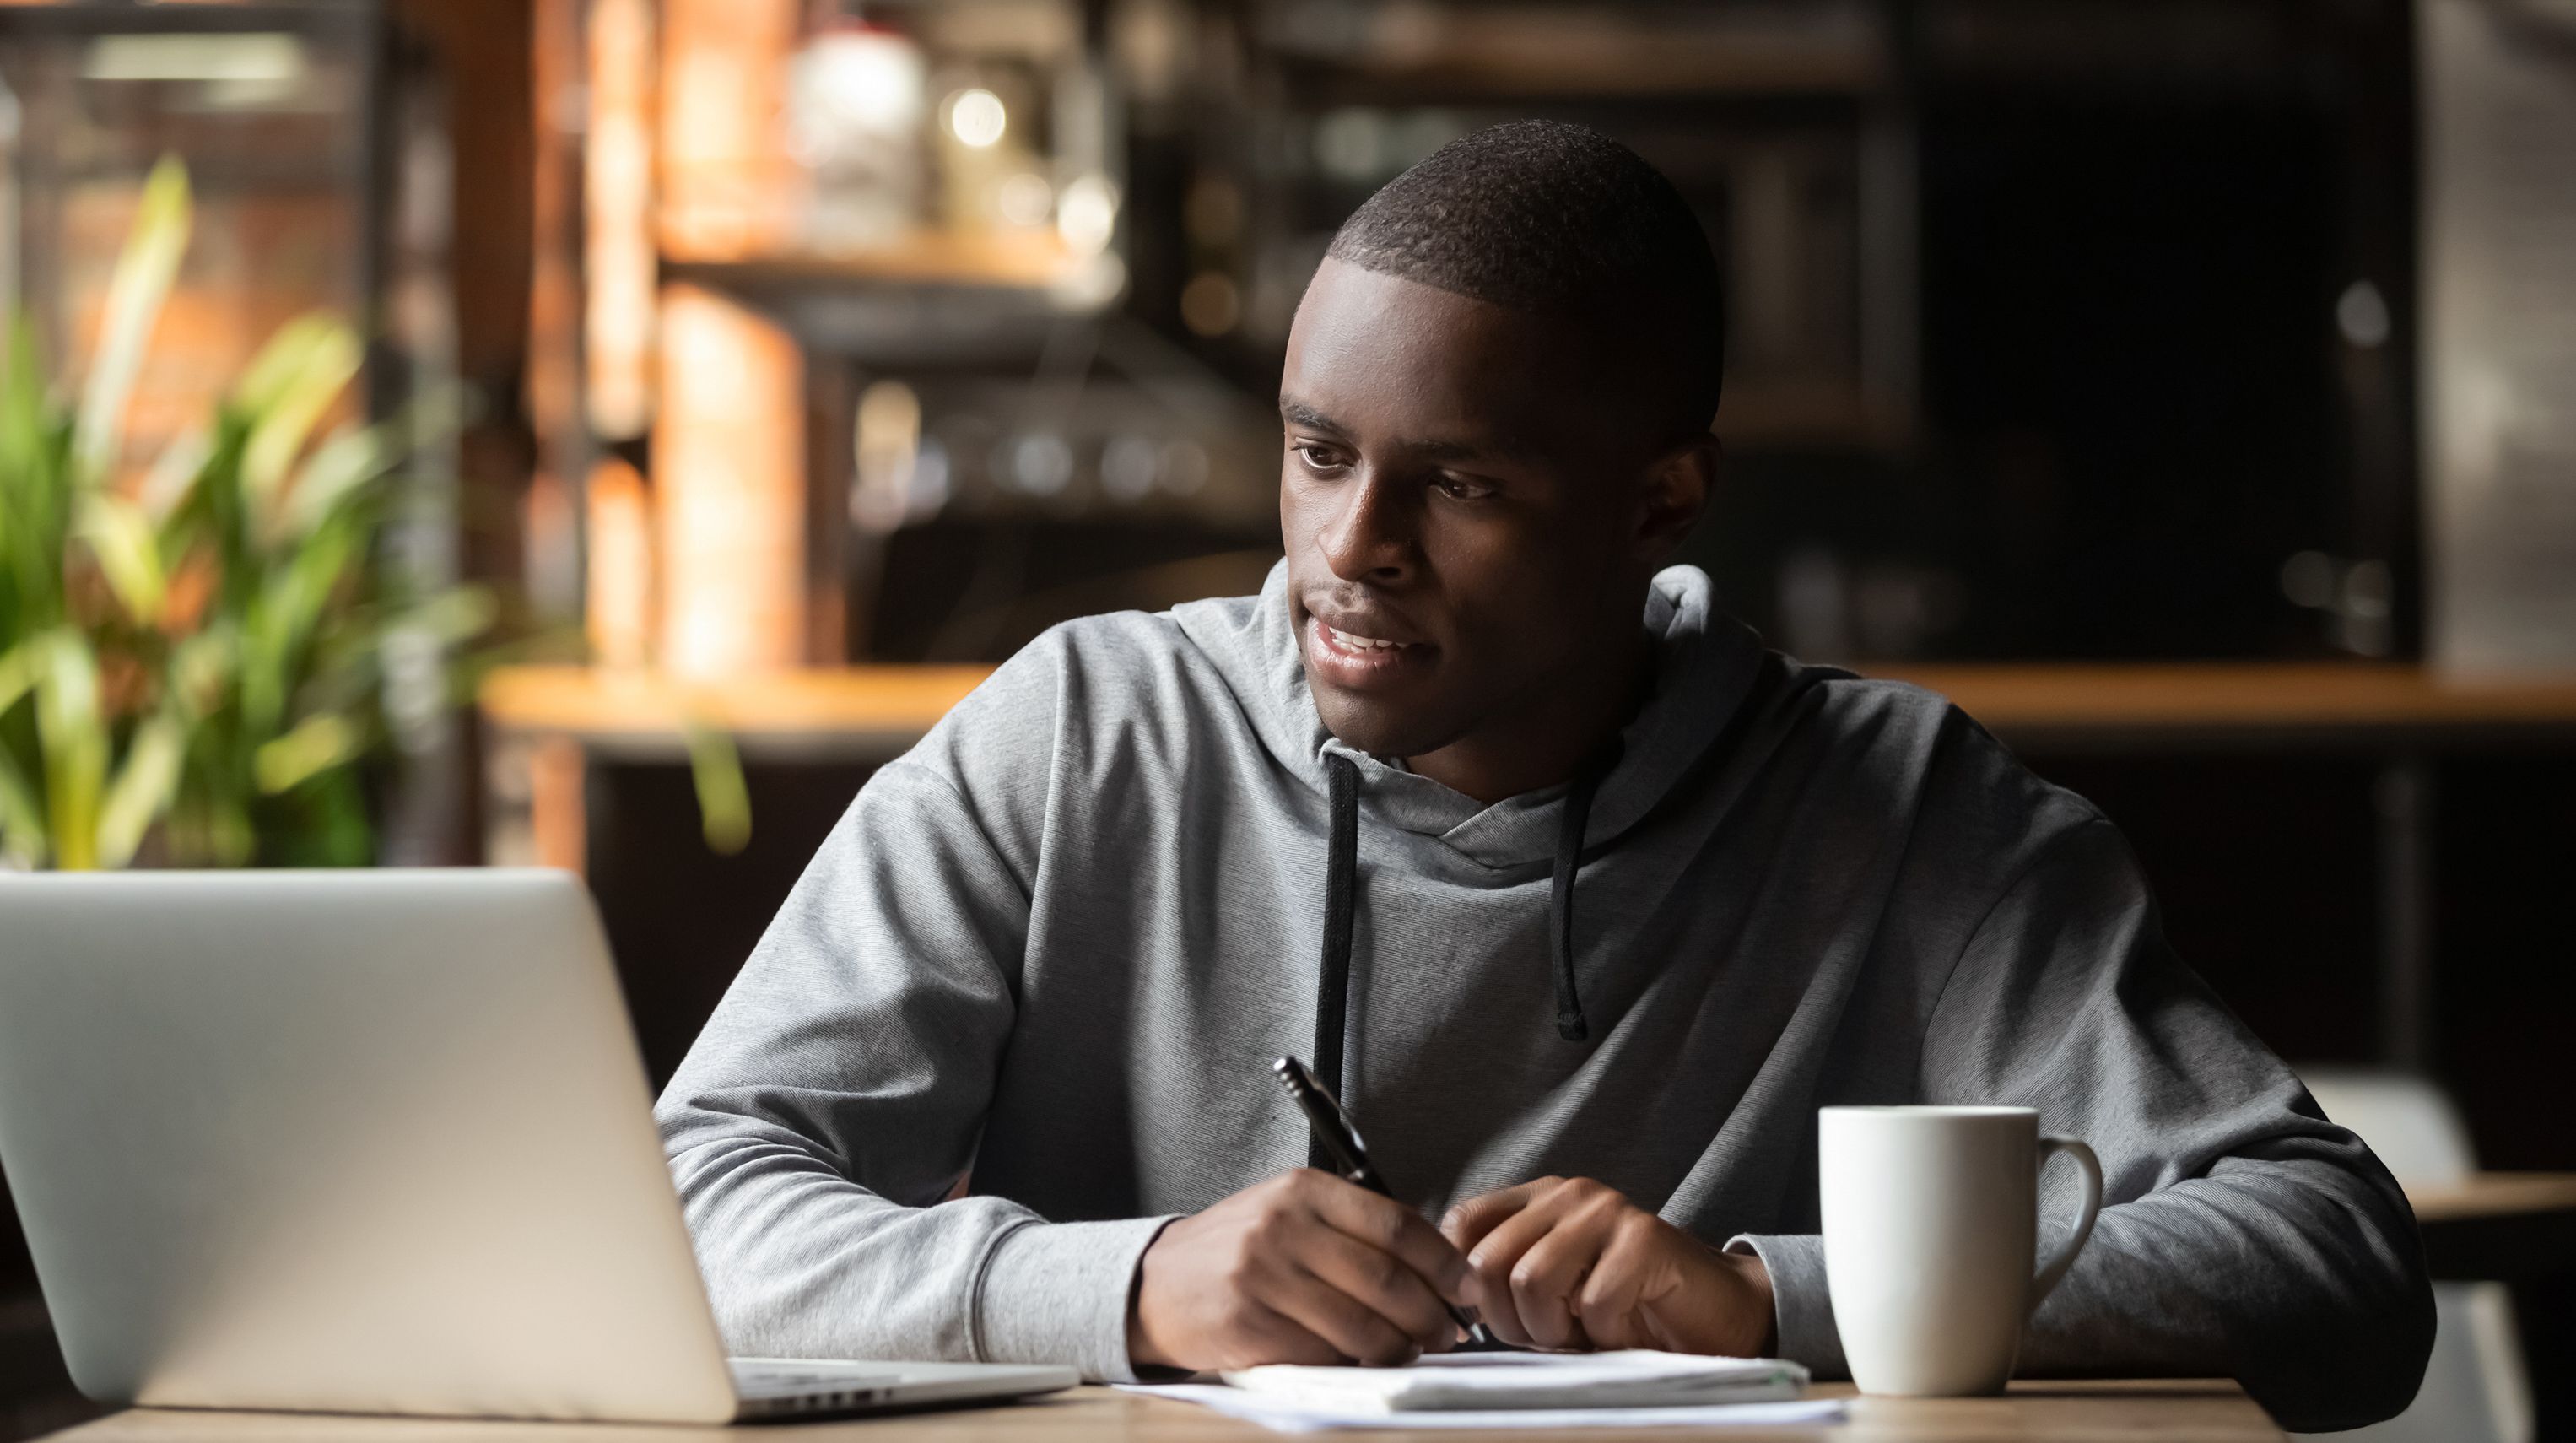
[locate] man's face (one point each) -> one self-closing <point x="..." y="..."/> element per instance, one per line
<point x="1468" y="531"/>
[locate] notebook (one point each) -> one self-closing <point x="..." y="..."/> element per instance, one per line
<point x="1444" y="1382"/>
<point x="1461" y="1391"/>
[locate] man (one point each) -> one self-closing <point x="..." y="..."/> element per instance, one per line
<point x="1605" y="911"/>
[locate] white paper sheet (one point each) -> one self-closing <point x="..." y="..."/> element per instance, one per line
<point x="1481" y="1381"/>
<point x="1283" y="1416"/>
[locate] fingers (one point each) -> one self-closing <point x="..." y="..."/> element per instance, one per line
<point x="1541" y="1244"/>
<point x="1395" y="1230"/>
<point x="1469" y="1222"/>
<point x="1386" y="1285"/>
<point x="1565" y="1240"/>
<point x="1609" y="1304"/>
<point x="1472" y="1222"/>
<point x="1267" y="1335"/>
<point x="1305" y="1267"/>
<point x="1558" y="1263"/>
<point x="1207" y="1285"/>
<point x="1356" y="1331"/>
<point x="1513" y="1221"/>
<point x="1654" y="1286"/>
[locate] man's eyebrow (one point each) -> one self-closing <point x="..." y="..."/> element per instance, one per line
<point x="1505" y="448"/>
<point x="1298" y="413"/>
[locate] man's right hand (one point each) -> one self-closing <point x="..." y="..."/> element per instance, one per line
<point x="1304" y="1268"/>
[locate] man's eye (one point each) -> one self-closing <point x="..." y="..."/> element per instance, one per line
<point x="1460" y="488"/>
<point x="1317" y="458"/>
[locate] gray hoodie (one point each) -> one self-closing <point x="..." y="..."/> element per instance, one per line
<point x="1053" y="949"/>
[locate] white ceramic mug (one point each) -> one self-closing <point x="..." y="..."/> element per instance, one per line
<point x="1931" y="1228"/>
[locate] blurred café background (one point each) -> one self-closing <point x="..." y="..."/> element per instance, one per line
<point x="660" y="410"/>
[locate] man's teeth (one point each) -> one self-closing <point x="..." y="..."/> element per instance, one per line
<point x="1361" y="643"/>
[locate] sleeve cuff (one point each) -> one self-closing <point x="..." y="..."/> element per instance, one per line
<point x="1059" y="1292"/>
<point x="1802" y="1307"/>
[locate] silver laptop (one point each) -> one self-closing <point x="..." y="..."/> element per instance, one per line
<point x="370" y="1142"/>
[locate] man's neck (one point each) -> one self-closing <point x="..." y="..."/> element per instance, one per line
<point x="1543" y="744"/>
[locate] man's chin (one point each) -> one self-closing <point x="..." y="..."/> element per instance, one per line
<point x="1381" y="726"/>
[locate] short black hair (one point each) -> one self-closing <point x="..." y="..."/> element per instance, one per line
<point x="1559" y="220"/>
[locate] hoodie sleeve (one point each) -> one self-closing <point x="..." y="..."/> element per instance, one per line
<point x="2241" y="1233"/>
<point x="834" y="1099"/>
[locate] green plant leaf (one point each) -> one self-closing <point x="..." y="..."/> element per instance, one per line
<point x="35" y="492"/>
<point x="283" y="617"/>
<point x="18" y="671"/>
<point x="724" y="798"/>
<point x="316" y="745"/>
<point x="135" y="292"/>
<point x="319" y="355"/>
<point x="352" y="457"/>
<point x="121" y="536"/>
<point x="174" y="473"/>
<point x="142" y="789"/>
<point x="274" y="367"/>
<point x="22" y="398"/>
<point x="73" y="736"/>
<point x="22" y="817"/>
<point x="200" y="670"/>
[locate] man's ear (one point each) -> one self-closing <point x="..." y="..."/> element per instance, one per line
<point x="1677" y="488"/>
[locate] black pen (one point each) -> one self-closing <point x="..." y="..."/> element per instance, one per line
<point x="1333" y="1129"/>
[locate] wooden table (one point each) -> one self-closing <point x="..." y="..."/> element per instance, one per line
<point x="2077" y="1412"/>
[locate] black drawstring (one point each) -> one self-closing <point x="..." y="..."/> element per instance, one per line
<point x="1341" y="871"/>
<point x="1560" y="902"/>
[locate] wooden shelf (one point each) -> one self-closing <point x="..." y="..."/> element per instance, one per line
<point x="2241" y="703"/>
<point x="1461" y="52"/>
<point x="852" y="709"/>
<point x="2202" y="702"/>
<point x="2498" y="1226"/>
<point x="2495" y="1194"/>
<point x="19" y="17"/>
<point x="1020" y="260"/>
<point x="549" y="723"/>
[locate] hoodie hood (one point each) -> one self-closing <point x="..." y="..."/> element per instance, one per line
<point x="1705" y="662"/>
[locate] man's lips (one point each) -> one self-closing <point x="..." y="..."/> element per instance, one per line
<point x="1350" y="657"/>
<point x="1364" y="627"/>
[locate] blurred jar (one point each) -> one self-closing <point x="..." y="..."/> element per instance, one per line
<point x="992" y="174"/>
<point x="855" y="113"/>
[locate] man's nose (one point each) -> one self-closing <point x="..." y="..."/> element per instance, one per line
<point x="1370" y="536"/>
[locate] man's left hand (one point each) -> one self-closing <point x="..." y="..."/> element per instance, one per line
<point x="1569" y="1263"/>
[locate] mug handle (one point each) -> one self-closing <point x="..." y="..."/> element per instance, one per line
<point x="2055" y="1269"/>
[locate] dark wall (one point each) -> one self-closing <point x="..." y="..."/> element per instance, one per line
<point x="2126" y="324"/>
<point x="681" y="919"/>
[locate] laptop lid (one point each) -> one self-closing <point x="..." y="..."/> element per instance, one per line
<point x="370" y="1141"/>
